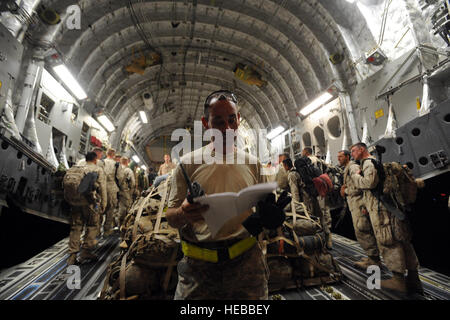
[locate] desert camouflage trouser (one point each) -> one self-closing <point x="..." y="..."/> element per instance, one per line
<point x="363" y="226"/>
<point x="125" y="203"/>
<point x="83" y="216"/>
<point x="325" y="212"/>
<point x="393" y="237"/>
<point x="243" y="278"/>
<point x="111" y="208"/>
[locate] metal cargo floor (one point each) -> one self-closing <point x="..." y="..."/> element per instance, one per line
<point x="44" y="277"/>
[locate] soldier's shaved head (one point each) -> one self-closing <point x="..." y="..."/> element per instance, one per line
<point x="359" y="151"/>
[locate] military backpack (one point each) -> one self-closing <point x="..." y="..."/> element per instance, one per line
<point x="316" y="181"/>
<point x="79" y="186"/>
<point x="396" y="183"/>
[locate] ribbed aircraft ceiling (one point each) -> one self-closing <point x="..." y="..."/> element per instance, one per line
<point x="288" y="42"/>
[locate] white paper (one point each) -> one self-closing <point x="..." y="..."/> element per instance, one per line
<point x="227" y="205"/>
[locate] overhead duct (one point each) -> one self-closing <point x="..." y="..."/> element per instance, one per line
<point x="391" y="122"/>
<point x="62" y="154"/>
<point x="32" y="78"/>
<point x="50" y="154"/>
<point x="7" y="119"/>
<point x="365" y="133"/>
<point x="30" y="133"/>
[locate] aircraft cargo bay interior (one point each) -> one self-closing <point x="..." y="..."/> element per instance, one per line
<point x="224" y="149"/>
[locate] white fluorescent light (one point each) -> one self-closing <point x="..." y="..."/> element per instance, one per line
<point x="94" y="124"/>
<point x="324" y="97"/>
<point x="65" y="75"/>
<point x="143" y="167"/>
<point x="104" y="120"/>
<point x="275" y="132"/>
<point x="55" y="87"/>
<point x="143" y="116"/>
<point x="136" y="159"/>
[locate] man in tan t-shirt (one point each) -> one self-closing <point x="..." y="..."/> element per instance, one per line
<point x="237" y="270"/>
<point x="167" y="166"/>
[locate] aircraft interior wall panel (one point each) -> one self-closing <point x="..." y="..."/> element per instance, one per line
<point x="423" y="143"/>
<point x="365" y="102"/>
<point x="320" y="119"/>
<point x="27" y="185"/>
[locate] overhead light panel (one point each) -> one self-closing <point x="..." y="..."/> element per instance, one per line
<point x="136" y="159"/>
<point x="65" y="75"/>
<point x="143" y="116"/>
<point x="316" y="103"/>
<point x="104" y="120"/>
<point x="49" y="82"/>
<point x="275" y="132"/>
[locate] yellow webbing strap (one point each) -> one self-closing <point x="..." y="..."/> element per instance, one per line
<point x="240" y="247"/>
<point x="195" y="252"/>
<point x="235" y="250"/>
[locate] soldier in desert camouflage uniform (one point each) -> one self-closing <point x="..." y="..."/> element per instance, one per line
<point x="360" y="216"/>
<point x="243" y="275"/>
<point x="393" y="235"/>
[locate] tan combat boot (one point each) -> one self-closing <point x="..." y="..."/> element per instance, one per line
<point x="364" y="263"/>
<point x="107" y="233"/>
<point x="72" y="259"/>
<point x="87" y="255"/>
<point x="396" y="283"/>
<point x="413" y="282"/>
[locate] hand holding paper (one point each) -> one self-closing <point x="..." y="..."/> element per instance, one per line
<point x="269" y="214"/>
<point x="228" y="205"/>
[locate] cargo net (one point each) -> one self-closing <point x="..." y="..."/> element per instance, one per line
<point x="296" y="253"/>
<point x="145" y="269"/>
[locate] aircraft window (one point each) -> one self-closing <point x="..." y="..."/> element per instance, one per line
<point x="319" y="134"/>
<point x="399" y="140"/>
<point x="74" y="115"/>
<point x="5" y="145"/>
<point x="334" y="127"/>
<point x="447" y="117"/>
<point x="410" y="165"/>
<point x="46" y="106"/>
<point x="306" y="139"/>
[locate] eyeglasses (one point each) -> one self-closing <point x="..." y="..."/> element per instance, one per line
<point x="220" y="95"/>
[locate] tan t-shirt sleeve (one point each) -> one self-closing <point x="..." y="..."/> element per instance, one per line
<point x="178" y="189"/>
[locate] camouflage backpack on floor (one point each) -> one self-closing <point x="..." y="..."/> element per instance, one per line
<point x="296" y="254"/>
<point x="146" y="267"/>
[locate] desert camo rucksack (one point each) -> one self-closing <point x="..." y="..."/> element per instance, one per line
<point x="397" y="182"/>
<point x="71" y="183"/>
